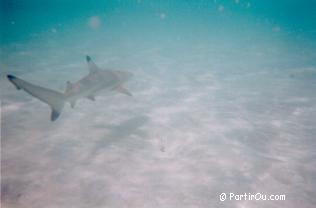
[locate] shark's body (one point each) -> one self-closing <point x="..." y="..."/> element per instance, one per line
<point x="87" y="87"/>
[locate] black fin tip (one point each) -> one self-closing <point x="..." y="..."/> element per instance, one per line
<point x="11" y="77"/>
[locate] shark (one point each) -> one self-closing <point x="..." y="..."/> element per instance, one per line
<point x="87" y="87"/>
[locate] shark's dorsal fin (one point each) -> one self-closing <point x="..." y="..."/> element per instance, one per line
<point x="92" y="66"/>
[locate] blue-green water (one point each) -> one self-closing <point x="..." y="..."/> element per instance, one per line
<point x="223" y="102"/>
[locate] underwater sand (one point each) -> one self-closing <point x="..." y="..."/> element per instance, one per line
<point x="215" y="108"/>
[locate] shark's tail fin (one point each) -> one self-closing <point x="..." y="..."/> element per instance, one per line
<point x="54" y="99"/>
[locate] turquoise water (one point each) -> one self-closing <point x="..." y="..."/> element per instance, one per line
<point x="223" y="102"/>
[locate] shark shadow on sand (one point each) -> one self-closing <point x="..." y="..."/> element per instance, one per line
<point x="118" y="134"/>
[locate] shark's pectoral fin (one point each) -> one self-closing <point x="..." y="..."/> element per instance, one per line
<point x="123" y="90"/>
<point x="72" y="104"/>
<point x="91" y="97"/>
<point x="54" y="115"/>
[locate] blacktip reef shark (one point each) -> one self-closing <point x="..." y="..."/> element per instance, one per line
<point x="86" y="87"/>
